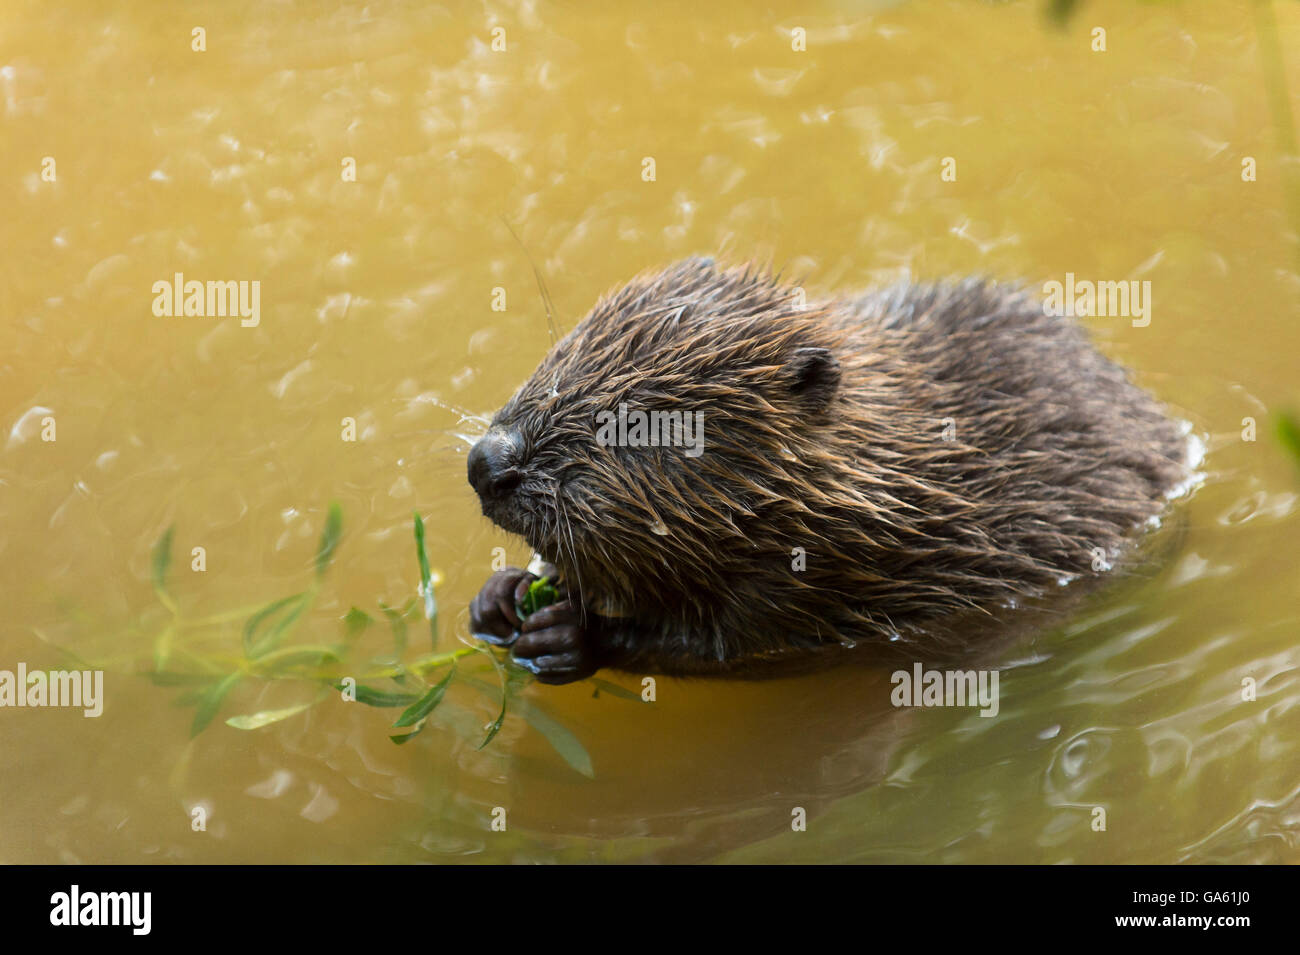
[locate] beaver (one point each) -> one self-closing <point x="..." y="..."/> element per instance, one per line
<point x="872" y="469"/>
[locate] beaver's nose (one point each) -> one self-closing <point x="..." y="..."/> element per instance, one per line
<point x="492" y="470"/>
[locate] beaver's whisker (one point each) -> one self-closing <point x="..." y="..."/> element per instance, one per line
<point x="563" y="513"/>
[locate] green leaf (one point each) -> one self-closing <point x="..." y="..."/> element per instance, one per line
<point x="541" y="593"/>
<point x="425" y="704"/>
<point x="407" y="737"/>
<point x="168" y="678"/>
<point x="162" y="558"/>
<point x="421" y="556"/>
<point x="397" y="620"/>
<point x="1288" y="433"/>
<point x="355" y="621"/>
<point x="252" y="721"/>
<point x="517" y="678"/>
<point x="505" y="697"/>
<point x="372" y="697"/>
<point x="160" y="561"/>
<point x="254" y="646"/>
<point x="426" y="580"/>
<point x="1059" y="11"/>
<point x="329" y="538"/>
<point x="613" y="689"/>
<point x="290" y="657"/>
<point x="162" y="647"/>
<point x="63" y="651"/>
<point x="559" y="736"/>
<point x="211" y="702"/>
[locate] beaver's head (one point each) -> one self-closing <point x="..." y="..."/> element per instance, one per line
<point x="669" y="437"/>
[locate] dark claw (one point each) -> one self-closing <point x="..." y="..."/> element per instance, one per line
<point x="497" y="641"/>
<point x="527" y="664"/>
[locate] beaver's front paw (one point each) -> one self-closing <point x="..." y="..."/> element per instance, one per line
<point x="554" y="645"/>
<point x="492" y="614"/>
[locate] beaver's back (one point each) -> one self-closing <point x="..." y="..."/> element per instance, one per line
<point x="1054" y="452"/>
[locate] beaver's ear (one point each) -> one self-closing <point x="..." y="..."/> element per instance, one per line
<point x="813" y="375"/>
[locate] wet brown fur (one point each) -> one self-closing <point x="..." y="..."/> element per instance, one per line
<point x="937" y="451"/>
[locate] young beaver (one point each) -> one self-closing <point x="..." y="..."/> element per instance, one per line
<point x="870" y="466"/>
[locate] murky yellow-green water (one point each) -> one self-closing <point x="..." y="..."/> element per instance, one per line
<point x="376" y="305"/>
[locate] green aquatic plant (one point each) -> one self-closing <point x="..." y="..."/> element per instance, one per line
<point x="267" y="652"/>
<point x="1288" y="434"/>
<point x="541" y="593"/>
